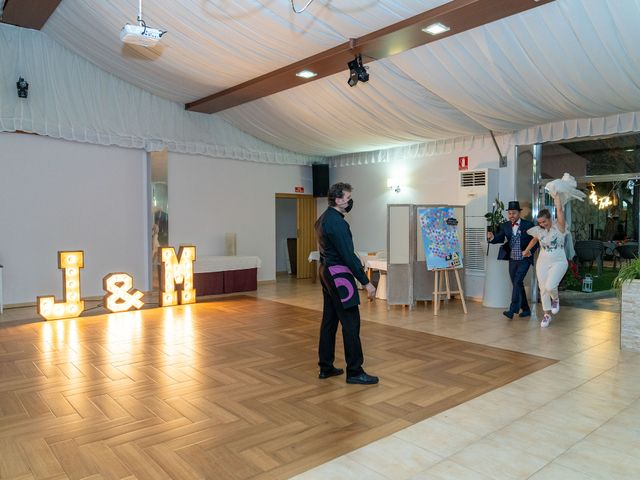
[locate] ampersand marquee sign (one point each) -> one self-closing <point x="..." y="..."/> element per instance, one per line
<point x="120" y="297"/>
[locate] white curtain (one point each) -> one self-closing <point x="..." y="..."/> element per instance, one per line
<point x="577" y="128"/>
<point x="214" y="45"/>
<point x="535" y="73"/>
<point x="566" y="69"/>
<point x="72" y="99"/>
<point x="418" y="150"/>
<point x="550" y="132"/>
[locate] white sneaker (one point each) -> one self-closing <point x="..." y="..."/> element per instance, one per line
<point x="555" y="305"/>
<point x="546" y="320"/>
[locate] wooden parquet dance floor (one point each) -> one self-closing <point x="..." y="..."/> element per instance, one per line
<point x="220" y="390"/>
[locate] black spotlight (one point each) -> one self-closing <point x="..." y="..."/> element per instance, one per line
<point x="23" y="88"/>
<point x="357" y="72"/>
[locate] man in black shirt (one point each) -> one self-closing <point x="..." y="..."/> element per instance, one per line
<point x="339" y="266"/>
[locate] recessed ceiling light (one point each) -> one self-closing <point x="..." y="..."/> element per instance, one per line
<point x="306" y="74"/>
<point x="436" y="29"/>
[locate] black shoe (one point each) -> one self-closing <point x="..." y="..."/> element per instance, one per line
<point x="363" y="379"/>
<point x="508" y="314"/>
<point x="330" y="373"/>
<point x="526" y="313"/>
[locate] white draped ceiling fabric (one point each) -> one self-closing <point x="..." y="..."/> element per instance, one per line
<point x="568" y="60"/>
<point x="72" y="99"/>
<point x="561" y="70"/>
<point x="212" y="45"/>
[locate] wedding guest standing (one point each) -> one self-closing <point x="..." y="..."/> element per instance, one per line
<point x="339" y="267"/>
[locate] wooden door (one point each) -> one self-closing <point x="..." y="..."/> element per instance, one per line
<point x="305" y="219"/>
<point x="305" y="233"/>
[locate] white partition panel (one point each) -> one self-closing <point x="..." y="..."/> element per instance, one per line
<point x="400" y="251"/>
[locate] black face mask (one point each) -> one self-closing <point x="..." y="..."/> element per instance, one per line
<point x="349" y="205"/>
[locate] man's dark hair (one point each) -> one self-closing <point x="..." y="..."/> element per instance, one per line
<point x="337" y="191"/>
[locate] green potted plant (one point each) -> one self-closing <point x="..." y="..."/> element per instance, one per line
<point x="496" y="216"/>
<point x="627" y="282"/>
<point x="627" y="274"/>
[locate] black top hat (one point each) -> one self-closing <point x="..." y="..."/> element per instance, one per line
<point x="515" y="205"/>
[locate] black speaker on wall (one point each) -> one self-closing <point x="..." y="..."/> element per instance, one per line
<point x="320" y="180"/>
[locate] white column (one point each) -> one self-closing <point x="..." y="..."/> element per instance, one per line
<point x="497" y="283"/>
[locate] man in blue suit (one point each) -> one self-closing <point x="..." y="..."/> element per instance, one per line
<point x="513" y="234"/>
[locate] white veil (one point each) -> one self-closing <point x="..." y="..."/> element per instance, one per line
<point x="565" y="188"/>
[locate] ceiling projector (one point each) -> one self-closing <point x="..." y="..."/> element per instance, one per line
<point x="140" y="35"/>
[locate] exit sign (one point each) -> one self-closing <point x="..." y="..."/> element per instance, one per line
<point x="299" y="189"/>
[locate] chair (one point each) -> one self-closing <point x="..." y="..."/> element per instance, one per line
<point x="627" y="251"/>
<point x="590" y="251"/>
<point x="610" y="252"/>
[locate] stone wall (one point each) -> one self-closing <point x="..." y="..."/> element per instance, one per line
<point x="630" y="316"/>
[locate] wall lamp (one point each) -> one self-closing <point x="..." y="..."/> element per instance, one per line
<point x="393" y="184"/>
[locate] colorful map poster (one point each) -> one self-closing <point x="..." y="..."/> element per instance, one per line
<point x="440" y="237"/>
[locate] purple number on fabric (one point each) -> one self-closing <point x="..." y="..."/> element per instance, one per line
<point x="343" y="282"/>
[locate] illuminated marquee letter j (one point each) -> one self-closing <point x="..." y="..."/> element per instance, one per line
<point x="70" y="263"/>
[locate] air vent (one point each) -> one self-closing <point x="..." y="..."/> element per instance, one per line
<point x="474" y="248"/>
<point x="473" y="179"/>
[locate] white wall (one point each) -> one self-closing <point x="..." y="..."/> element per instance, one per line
<point x="286" y="227"/>
<point x="208" y="197"/>
<point x="59" y="195"/>
<point x="427" y="180"/>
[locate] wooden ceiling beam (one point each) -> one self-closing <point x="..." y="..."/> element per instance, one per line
<point x="28" y="13"/>
<point x="458" y="15"/>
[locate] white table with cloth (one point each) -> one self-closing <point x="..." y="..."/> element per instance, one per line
<point x="314" y="257"/>
<point x="379" y="264"/>
<point x="214" y="275"/>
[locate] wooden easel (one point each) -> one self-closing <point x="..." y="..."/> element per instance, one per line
<point x="442" y="274"/>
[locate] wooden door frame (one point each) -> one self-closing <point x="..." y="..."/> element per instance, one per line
<point x="305" y="269"/>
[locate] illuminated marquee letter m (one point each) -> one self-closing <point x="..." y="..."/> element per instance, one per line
<point x="177" y="270"/>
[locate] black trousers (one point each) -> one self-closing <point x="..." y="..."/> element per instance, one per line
<point x="517" y="271"/>
<point x="333" y="313"/>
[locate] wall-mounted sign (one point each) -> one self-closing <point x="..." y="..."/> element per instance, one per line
<point x="299" y="189"/>
<point x="463" y="163"/>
